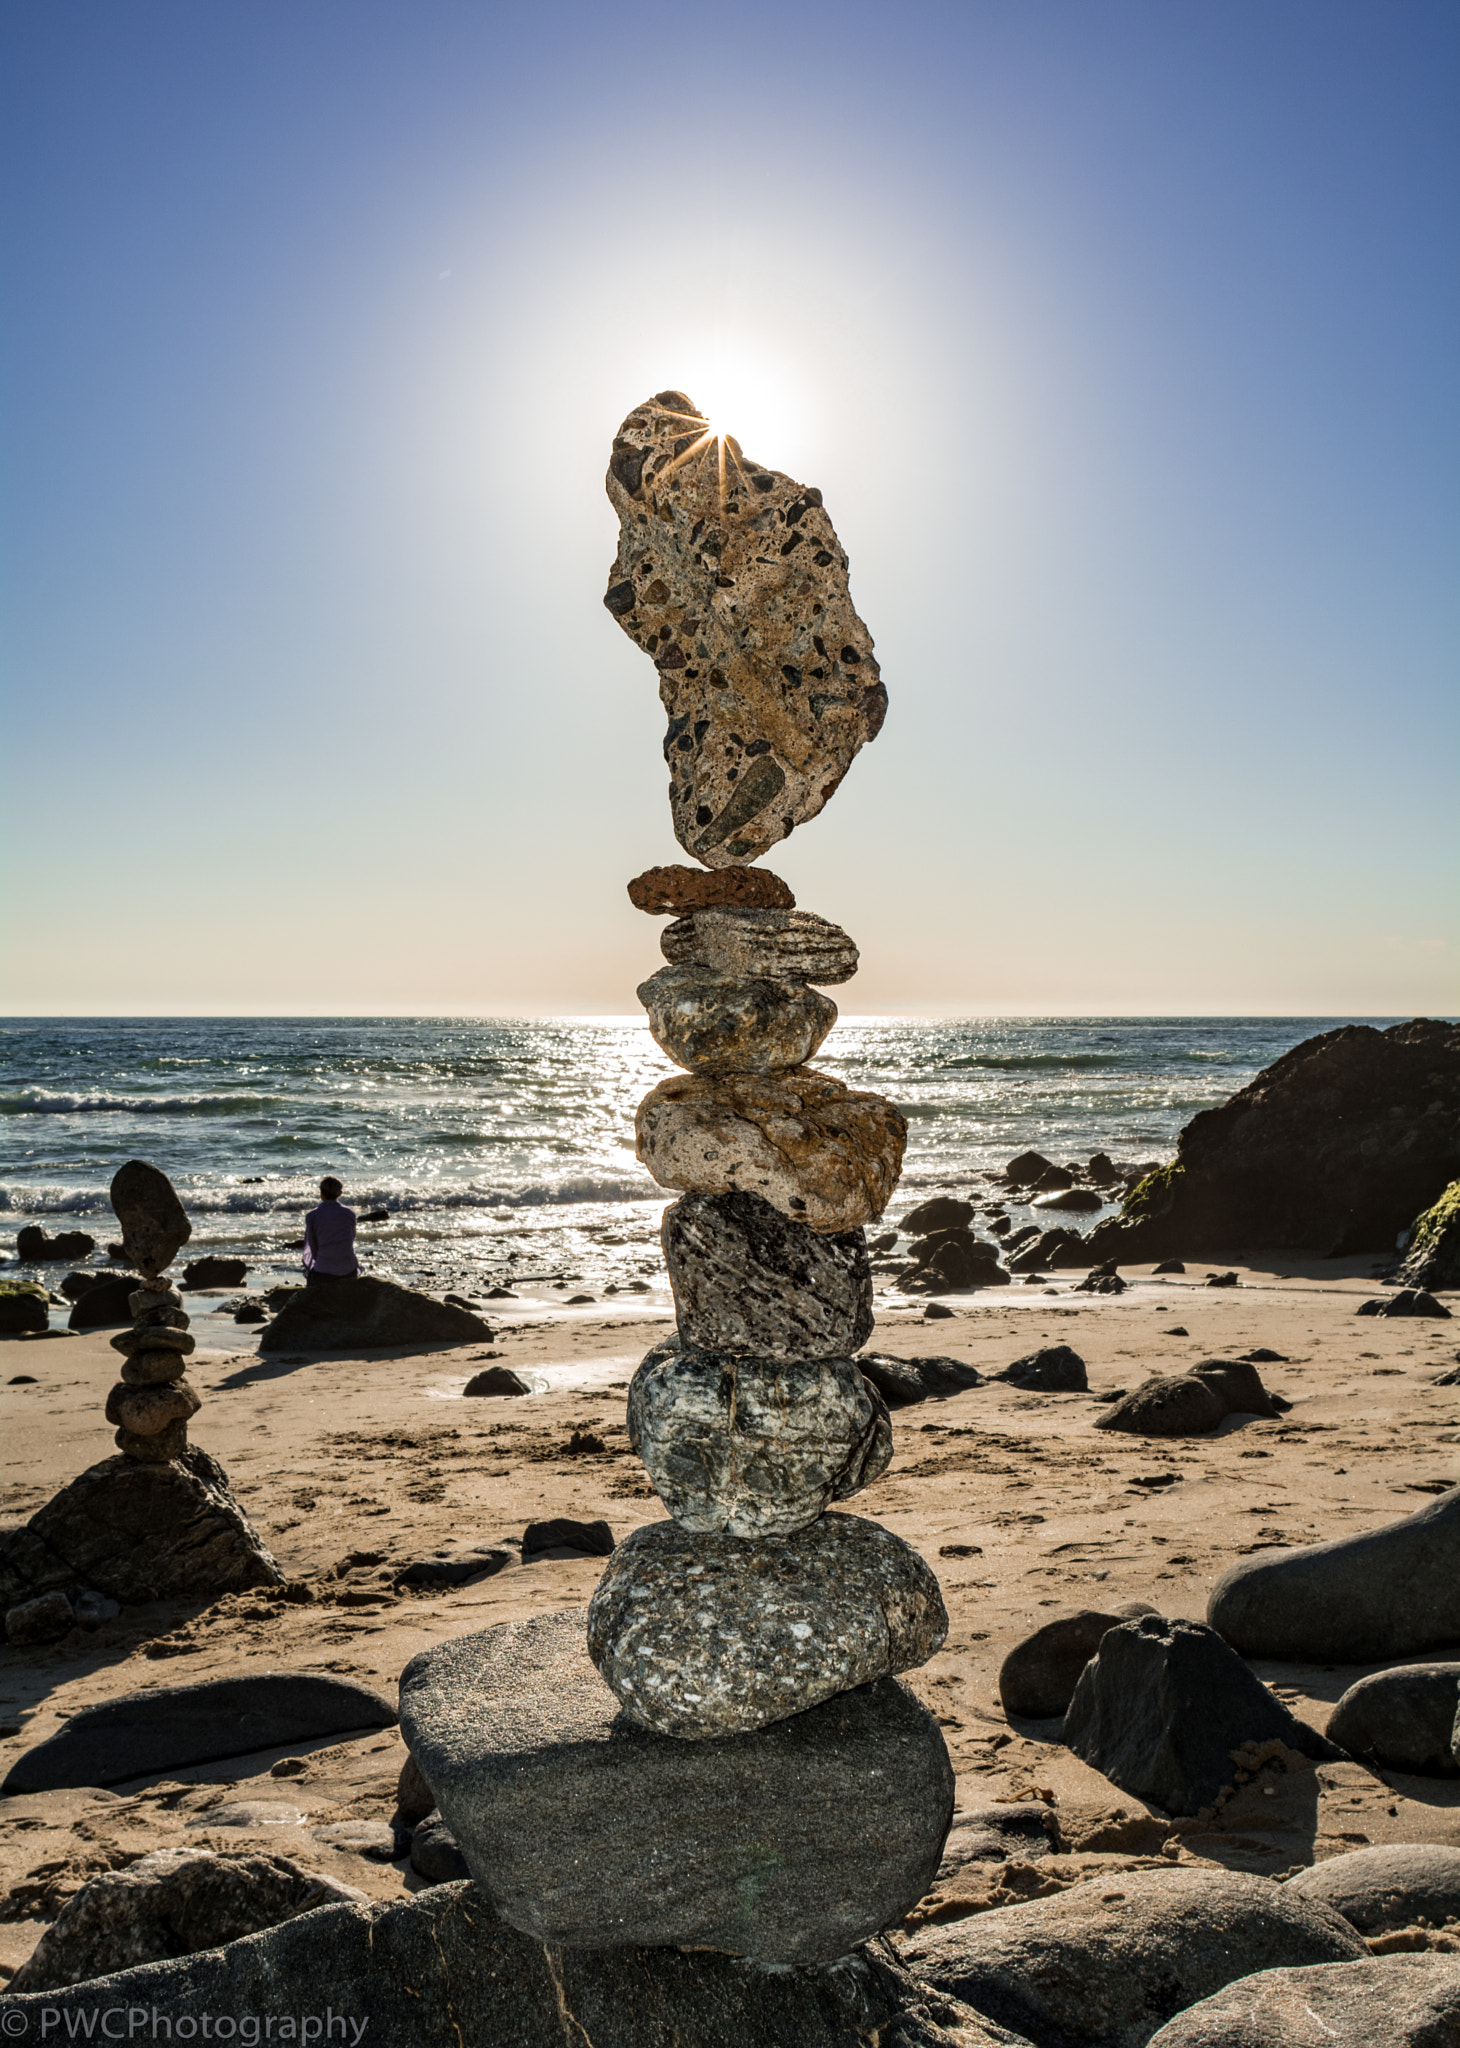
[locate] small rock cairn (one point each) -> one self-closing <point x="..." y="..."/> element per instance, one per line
<point x="152" y="1401"/>
<point x="752" y="1603"/>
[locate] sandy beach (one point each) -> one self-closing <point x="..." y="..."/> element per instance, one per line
<point x="352" y="1467"/>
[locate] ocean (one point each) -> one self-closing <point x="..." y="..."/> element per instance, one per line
<point x="502" y="1150"/>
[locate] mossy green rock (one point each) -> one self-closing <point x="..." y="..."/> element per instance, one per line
<point x="1433" y="1258"/>
<point x="23" y="1307"/>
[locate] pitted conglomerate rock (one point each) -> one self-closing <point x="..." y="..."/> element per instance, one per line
<point x="670" y="892"/>
<point x="713" y="1023"/>
<point x="154" y="1223"/>
<point x="755" y="1447"/>
<point x="731" y="578"/>
<point x="818" y="1151"/>
<point x="747" y="1278"/>
<point x="786" y="945"/>
<point x="709" y="1636"/>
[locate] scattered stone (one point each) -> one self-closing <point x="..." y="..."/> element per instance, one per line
<point x="815" y="1149"/>
<point x="1069" y="1198"/>
<point x="154" y="1223"/>
<point x="496" y="1380"/>
<point x="42" y="1620"/>
<point x="249" y="1813"/>
<point x="1038" y="1677"/>
<point x="1433" y="1257"/>
<point x="1168" y="1266"/>
<point x="746" y="1277"/>
<point x="93" y="1609"/>
<point x="455" y="1567"/>
<point x="740" y="596"/>
<point x="1409" y="1301"/>
<point x="935" y="1312"/>
<point x="1403" y="2001"/>
<point x="34" y="1248"/>
<point x="364" y="1314"/>
<point x="250" y="1312"/>
<point x="710" y="1636"/>
<point x="1056" y="1369"/>
<point x="942" y="1213"/>
<point x="897" y="1380"/>
<point x="414" y="1799"/>
<point x="109" y="1302"/>
<point x="76" y="1284"/>
<point x="435" y="1854"/>
<point x="1054" y="1180"/>
<point x="953" y="1261"/>
<point x="1162" y="1705"/>
<point x="1192" y="1403"/>
<point x="1102" y="1964"/>
<point x="945" y="1376"/>
<point x="755" y="1447"/>
<point x="172" y="1903"/>
<point x="1392" y="1592"/>
<point x="1026" y="1170"/>
<point x="779" y="945"/>
<point x="1335" y="1148"/>
<point x="563" y="1535"/>
<point x="1051" y="1248"/>
<point x="714" y="1023"/>
<point x="1101" y="1167"/>
<point x="789" y="1848"/>
<point x="214" y="1272"/>
<point x="141" y="1734"/>
<point x="24" y="1307"/>
<point x="992" y="1834"/>
<point x="1402" y="1720"/>
<point x="1222" y="1280"/>
<point x="373" y="1839"/>
<point x="673" y="891"/>
<point x="1392" y="1886"/>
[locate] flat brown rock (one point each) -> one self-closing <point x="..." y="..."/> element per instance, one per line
<point x="669" y="892"/>
<point x="731" y="578"/>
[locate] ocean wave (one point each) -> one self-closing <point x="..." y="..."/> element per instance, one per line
<point x="571" y="1191"/>
<point x="46" y="1102"/>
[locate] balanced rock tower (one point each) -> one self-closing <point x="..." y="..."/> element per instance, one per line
<point x="719" y="1753"/>
<point x="152" y="1401"/>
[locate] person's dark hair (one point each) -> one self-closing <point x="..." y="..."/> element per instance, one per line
<point x="331" y="1188"/>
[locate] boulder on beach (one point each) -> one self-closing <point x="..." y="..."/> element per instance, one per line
<point x="563" y="1536"/>
<point x="173" y="1902"/>
<point x="1403" y="1720"/>
<point x="1192" y="1403"/>
<point x="497" y="1381"/>
<point x="364" y="1314"/>
<point x="1334" y="1149"/>
<point x="1391" y="1886"/>
<point x="1403" y="2001"/>
<point x="1391" y="1592"/>
<point x="436" y="1854"/>
<point x="1102" y="1964"/>
<point x="1054" y="1369"/>
<point x="44" y="1619"/>
<point x="213" y="1271"/>
<point x="1024" y="1170"/>
<point x="951" y="1261"/>
<point x="1038" y="1677"/>
<point x="35" y="1248"/>
<point x="903" y="1381"/>
<point x="1432" y="1257"/>
<point x="1161" y="1707"/>
<point x="25" y="1307"/>
<point x="1409" y="1301"/>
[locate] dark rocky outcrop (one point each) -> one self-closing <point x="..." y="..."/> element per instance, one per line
<point x="1191" y="1403"/>
<point x="213" y="1271"/>
<point x="1404" y="2001"/>
<point x="1402" y="1719"/>
<point x="139" y="1734"/>
<point x="1409" y="1301"/>
<point x="1432" y="1258"/>
<point x="368" y="1315"/>
<point x="1333" y="1149"/>
<point x="1161" y="1707"/>
<point x="1393" y="1592"/>
<point x="105" y="1306"/>
<point x="35" y="1248"/>
<point x="24" y="1308"/>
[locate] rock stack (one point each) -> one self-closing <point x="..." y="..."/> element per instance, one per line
<point x="152" y="1401"/>
<point x="745" y="1772"/>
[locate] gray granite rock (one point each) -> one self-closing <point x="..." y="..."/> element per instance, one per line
<point x="748" y="1278"/>
<point x="443" y="1967"/>
<point x="1039" y="1675"/>
<point x="1103" y="1964"/>
<point x="715" y="1023"/>
<point x="785" y="945"/>
<point x="171" y="1903"/>
<point x="731" y="578"/>
<point x="1392" y="1592"/>
<point x="708" y="1635"/>
<point x="1391" y="1886"/>
<point x="154" y="1223"/>
<point x="139" y="1532"/>
<point x="1162" y="1705"/>
<point x="168" y="1728"/>
<point x="1401" y="1719"/>
<point x="755" y="1446"/>
<point x="820" y="1152"/>
<point x="789" y="1845"/>
<point x="1401" y="2001"/>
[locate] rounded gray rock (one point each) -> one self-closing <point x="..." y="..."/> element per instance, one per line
<point x="1404" y="1719"/>
<point x="1408" y="2001"/>
<point x="155" y="1225"/>
<point x="786" y="945"/>
<point x="1394" y="1885"/>
<point x="747" y="1278"/>
<point x="715" y="1023"/>
<point x="705" y="1636"/>
<point x="755" y="1447"/>
<point x="1038" y="1677"/>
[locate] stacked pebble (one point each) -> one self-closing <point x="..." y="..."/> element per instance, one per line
<point x="753" y="1603"/>
<point x="152" y="1401"/>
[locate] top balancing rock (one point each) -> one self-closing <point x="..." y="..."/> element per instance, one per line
<point x="155" y="1225"/>
<point x="731" y="577"/>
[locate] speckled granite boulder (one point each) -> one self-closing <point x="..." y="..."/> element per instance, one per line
<point x="747" y="1278"/>
<point x="789" y="1845"/>
<point x="813" y="1148"/>
<point x="154" y="1223"/>
<point x="787" y="945"/>
<point x="755" y="1446"/>
<point x="731" y="578"/>
<point x="1382" y="2002"/>
<point x="670" y="892"/>
<point x="709" y="1636"/>
<point x="1390" y="1886"/>
<point x="714" y="1023"/>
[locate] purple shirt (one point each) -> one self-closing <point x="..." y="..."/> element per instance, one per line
<point x="329" y="1240"/>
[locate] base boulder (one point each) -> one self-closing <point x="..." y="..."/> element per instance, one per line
<point x="368" y="1315"/>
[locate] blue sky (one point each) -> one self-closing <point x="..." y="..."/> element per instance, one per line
<point x="1119" y="334"/>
